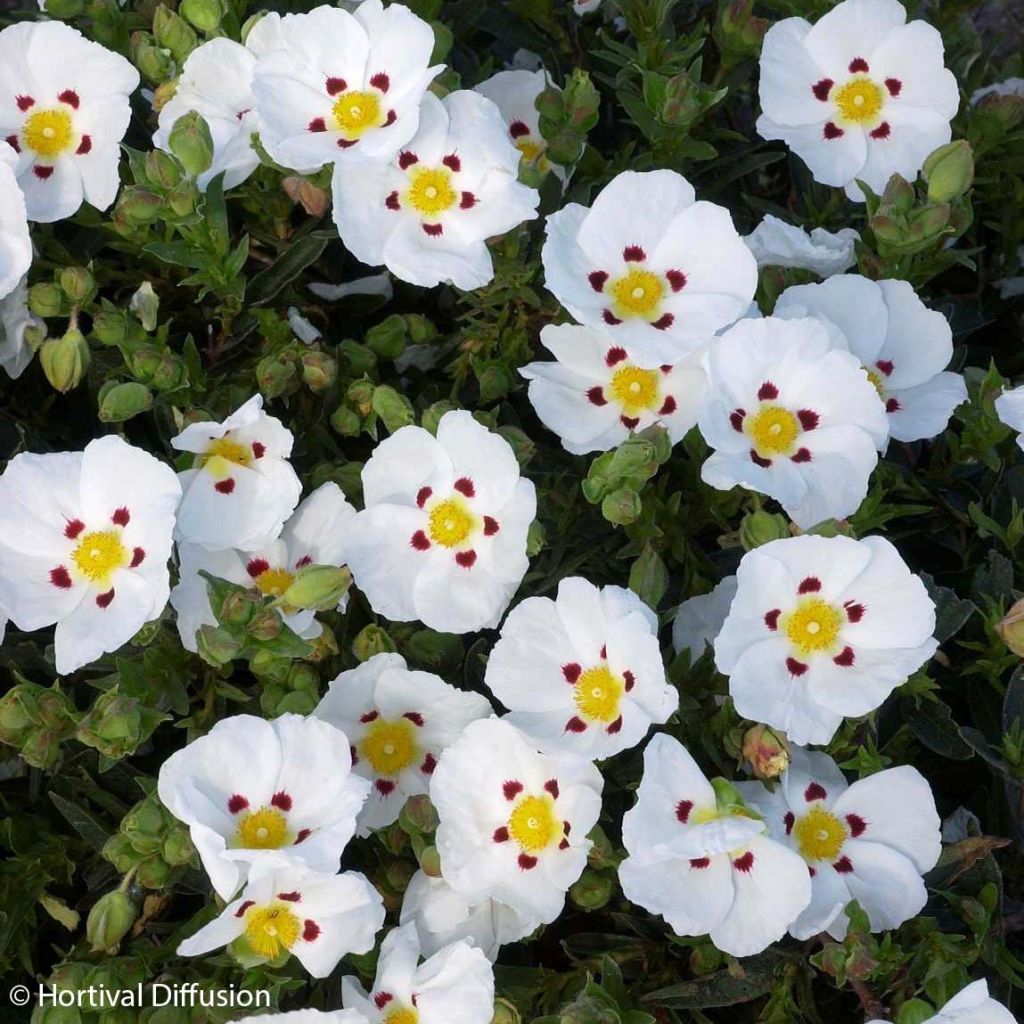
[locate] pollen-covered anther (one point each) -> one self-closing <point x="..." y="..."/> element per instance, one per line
<point x="820" y="835"/>
<point x="49" y="132"/>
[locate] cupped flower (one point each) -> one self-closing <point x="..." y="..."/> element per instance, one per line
<point x="289" y="909"/>
<point x="793" y="416"/>
<point x="1010" y="410"/>
<point x="971" y="1005"/>
<point x="64" y="111"/>
<point x="705" y="862"/>
<point x="699" y="619"/>
<point x="15" y="244"/>
<point x="659" y="269"/>
<point x="513" y="822"/>
<point x="426" y="212"/>
<point x="822" y="628"/>
<point x="241" y="488"/>
<point x="903" y="346"/>
<point x="338" y="87"/>
<point x="443" y="536"/>
<point x="581" y="674"/>
<point x="443" y="915"/>
<point x="398" y="722"/>
<point x="84" y="543"/>
<point x="454" y="984"/>
<point x="861" y="94"/>
<point x="515" y="94"/>
<point x="596" y="393"/>
<point x="869" y="842"/>
<point x="15" y="318"/>
<point x="314" y="535"/>
<point x="775" y="243"/>
<point x="255" y="793"/>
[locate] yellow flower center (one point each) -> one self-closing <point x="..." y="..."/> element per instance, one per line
<point x="533" y="153"/>
<point x="49" y="132"/>
<point x="702" y="815"/>
<point x="819" y="835"/>
<point x="637" y="294"/>
<point x="773" y="430"/>
<point x="222" y="455"/>
<point x="274" y="582"/>
<point x="402" y="1015"/>
<point x="272" y="929"/>
<point x="533" y="824"/>
<point x="597" y="694"/>
<point x="813" y="626"/>
<point x="98" y="554"/>
<point x="450" y="523"/>
<point x="635" y="390"/>
<point x="390" y="747"/>
<point x="356" y="112"/>
<point x="265" y="829"/>
<point x="876" y="382"/>
<point x="859" y="100"/>
<point x="430" y="190"/>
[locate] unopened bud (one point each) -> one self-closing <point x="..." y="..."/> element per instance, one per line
<point x="317" y="587"/>
<point x="372" y="640"/>
<point x="123" y="401"/>
<point x="622" y="507"/>
<point x="345" y="421"/>
<point x="949" y="171"/>
<point x="592" y="891"/>
<point x="394" y="409"/>
<point x="162" y="169"/>
<point x="505" y="1013"/>
<point x="109" y="920"/>
<point x="65" y="360"/>
<point x="760" y="527"/>
<point x="174" y="33"/>
<point x="915" y="1011"/>
<point x="1011" y="628"/>
<point x="205" y="15"/>
<point x="77" y="284"/>
<point x="139" y="205"/>
<point x="319" y="371"/>
<point x="766" y="751"/>
<point x="388" y="338"/>
<point x="191" y="143"/>
<point x="46" y="299"/>
<point x="430" y="862"/>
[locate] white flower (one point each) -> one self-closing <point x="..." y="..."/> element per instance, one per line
<point x="822" y="628"/>
<point x="706" y="868"/>
<point x="861" y="94"/>
<point x="318" y="918"/>
<point x="868" y="842"/>
<point x="443" y="915"/>
<point x="1011" y="87"/>
<point x="255" y="793"/>
<point x="454" y="984"/>
<point x="971" y="1005"/>
<point x="242" y="487"/>
<point x="515" y="94"/>
<point x="659" y="269"/>
<point x="582" y="674"/>
<point x="596" y="393"/>
<point x="582" y="7"/>
<point x="775" y="243"/>
<point x="700" y="618"/>
<point x="15" y="244"/>
<point x="65" y="111"/>
<point x="340" y="87"/>
<point x="1010" y="410"/>
<point x="15" y="352"/>
<point x="427" y="211"/>
<point x="513" y="822"/>
<point x="398" y="722"/>
<point x="903" y="346"/>
<point x="308" y="1017"/>
<point x="84" y="543"/>
<point x="443" y="536"/>
<point x="314" y="535"/>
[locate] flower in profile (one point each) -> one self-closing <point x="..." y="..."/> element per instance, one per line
<point x="822" y="628"/>
<point x="15" y="244"/>
<point x="513" y="822"/>
<point x="254" y="793"/>
<point x="971" y="1005"/>
<point x="515" y="94"/>
<point x="868" y="842"/>
<point x="700" y="618"/>
<point x="65" y="113"/>
<point x="443" y="536"/>
<point x="289" y="909"/>
<point x="581" y="674"/>
<point x="703" y="860"/>
<point x="84" y="543"/>
<point x="596" y="393"/>
<point x="793" y="416"/>
<point x="241" y="488"/>
<point x="861" y="94"/>
<point x="426" y="212"/>
<point x="340" y="87"/>
<point x="903" y="346"/>
<point x="660" y="270"/>
<point x="398" y="721"/>
<point x="15" y="319"/>
<point x="775" y="243"/>
<point x="455" y="983"/>
<point x="1010" y="410"/>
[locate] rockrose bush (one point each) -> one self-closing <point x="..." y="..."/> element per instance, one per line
<point x="512" y="512"/>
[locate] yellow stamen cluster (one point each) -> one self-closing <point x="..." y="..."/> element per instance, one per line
<point x="48" y="132"/>
<point x="450" y="523"/>
<point x="773" y="431"/>
<point x="597" y="694"/>
<point x="430" y="191"/>
<point x="390" y="746"/>
<point x="98" y="554"/>
<point x="533" y="824"/>
<point x="636" y="390"/>
<point x="355" y="113"/>
<point x="637" y="293"/>
<point x="272" y="929"/>
<point x="819" y="835"/>
<point x="859" y="101"/>
<point x="264" y="829"/>
<point x="813" y="626"/>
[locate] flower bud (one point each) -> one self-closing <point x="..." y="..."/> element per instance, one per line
<point x="174" y="33"/>
<point x="949" y="171"/>
<point x="139" y="205"/>
<point x="421" y="330"/>
<point x="418" y="815"/>
<point x="355" y="358"/>
<point x="216" y="645"/>
<point x="191" y="143"/>
<point x="109" y="327"/>
<point x="155" y="64"/>
<point x="394" y="409"/>
<point x="536" y="538"/>
<point x="154" y="873"/>
<point x="505" y="1013"/>
<point x="317" y="587"/>
<point x="77" y="284"/>
<point x="314" y="200"/>
<point x="622" y="507"/>
<point x="205" y="15"/>
<point x="388" y="338"/>
<point x="494" y="379"/>
<point x="144" y="302"/>
<point x="915" y="1011"/>
<point x="434" y="650"/>
<point x="1011" y="628"/>
<point x="433" y="413"/>
<point x="162" y="169"/>
<point x="372" y="640"/>
<point x="766" y="751"/>
<point x="46" y="299"/>
<point x="737" y="33"/>
<point x="345" y="421"/>
<point x="65" y="360"/>
<point x="592" y="891"/>
<point x="177" y="848"/>
<point x="164" y="92"/>
<point x="109" y="920"/>
<point x="123" y="401"/>
<point x="360" y="397"/>
<point x="430" y="861"/>
<point x="277" y="375"/>
<point x="182" y="200"/>
<point x="265" y="625"/>
<point x="760" y="527"/>
<point x="319" y="371"/>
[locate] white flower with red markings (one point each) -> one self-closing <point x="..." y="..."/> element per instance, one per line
<point x="513" y="822"/>
<point x="703" y="860"/>
<point x="792" y="415"/>
<point x="861" y="94"/>
<point x="308" y="1017"/>
<point x="314" y="535"/>
<point x="255" y="793"/>
<point x="869" y="842"/>
<point x="398" y="722"/>
<point x="971" y="1005"/>
<point x="64" y="109"/>
<point x="661" y="271"/>
<point x="288" y="909"/>
<point x="700" y="618"/>
<point x="822" y="628"/>
<point x="775" y="243"/>
<point x="242" y="487"/>
<point x="903" y="346"/>
<point x="596" y="392"/>
<point x="15" y="318"/>
<point x="339" y="87"/>
<point x="582" y="674"/>
<point x="1010" y="410"/>
<point x="15" y="244"/>
<point x="515" y="94"/>
<point x="426" y="212"/>
<point x="443" y="536"/>
<point x="84" y="543"/>
<point x="455" y="983"/>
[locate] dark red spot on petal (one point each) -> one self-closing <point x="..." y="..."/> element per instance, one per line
<point x="788" y="820"/>
<point x="552" y="787"/>
<point x="845" y="658"/>
<point x="884" y="366"/>
<point x="571" y="672"/>
<point x="310" y="931"/>
<point x="354" y="755"/>
<point x="237" y="803"/>
<point x="883" y="131"/>
<point x="467" y="559"/>
<point x="610" y="318"/>
<point x="699" y="863"/>
<point x="392" y="201"/>
<point x="757" y="460"/>
<point x="822" y="89"/>
<point x="894" y="85"/>
<point x="796" y="668"/>
<point x="104" y="600"/>
<point x="304" y="560"/>
<point x="575" y="724"/>
<point x="41" y="172"/>
<point x="491" y="526"/>
<point x="406" y="159"/>
<point x="335" y="85"/>
<point x="390" y="119"/>
<point x="500" y="835"/>
<point x="468" y="201"/>
<point x="801" y="455"/>
<point x="771" y="619"/>
<point x="433" y="230"/>
<point x="517" y="129"/>
<point x="225" y="486"/>
<point x="346" y="143"/>
<point x="564" y="844"/>
<point x="24" y="102"/>
<point x="892" y="405"/>
<point x="676" y="279"/>
<point x="808" y="418"/>
<point x="614" y="355"/>
<point x="630" y="422"/>
<point x="12" y="141"/>
<point x="121" y="517"/>
<point x="304" y="833"/>
<point x="317" y="125"/>
<point x="138" y="557"/>
<point x="854" y="611"/>
<point x="512" y="789"/>
<point x="668" y="407"/>
<point x="597" y="279"/>
<point x="257" y="566"/>
<point x="566" y="827"/>
<point x="604" y="651"/>
<point x="385" y="787"/>
<point x="809" y="585"/>
<point x="259" y="449"/>
<point x="736" y="419"/>
<point x="526" y="862"/>
<point x="429" y="764"/>
<point x="84" y="145"/>
<point x="633" y="254"/>
<point x="856" y="824"/>
<point x="465" y="486"/>
<point x="664" y="322"/>
<point x="381" y="999"/>
<point x="767" y="391"/>
<point x="370" y="716"/>
<point x="452" y="162"/>
<point x="240" y="912"/>
<point x="858" y="64"/>
<point x="683" y="809"/>
<point x="290" y="897"/>
<point x="629" y="679"/>
<point x="415" y="717"/>
<point x="815" y="791"/>
<point x="73" y="528"/>
<point x="381" y="81"/>
<point x="282" y="801"/>
<point x="615" y="726"/>
<point x="419" y="541"/>
<point x="811" y="871"/>
<point x="832" y="131"/>
<point x="744" y="862"/>
<point x="596" y="396"/>
<point x="843" y="866"/>
<point x="422" y="495"/>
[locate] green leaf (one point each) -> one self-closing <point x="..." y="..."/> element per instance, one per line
<point x="292" y="262"/>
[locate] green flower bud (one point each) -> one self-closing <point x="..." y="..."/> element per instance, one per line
<point x="123" y="401"/>
<point x="418" y="815"/>
<point x="216" y="645"/>
<point x="205" y="15"/>
<point x="602" y="853"/>
<point x="949" y="171"/>
<point x="109" y="327"/>
<point x="155" y="63"/>
<point x="171" y="373"/>
<point x="357" y="360"/>
<point x="317" y="587"/>
<point x="899" y="196"/>
<point x="77" y="284"/>
<point x="162" y="169"/>
<point x="319" y="371"/>
<point x="433" y="650"/>
<point x="622" y="507"/>
<point x="173" y="32"/>
<point x="737" y="33"/>
<point x="144" y="302"/>
<point x="153" y="873"/>
<point x="191" y="142"/>
<point x="182" y="200"/>
<point x="109" y="920"/>
<point x="398" y="874"/>
<point x="265" y="625"/>
<point x="372" y="640"/>
<point x="360" y="397"/>
<point x="433" y="413"/>
<point x="120" y="852"/>
<point x="46" y="299"/>
<point x="421" y="330"/>
<point x="270" y="667"/>
<point x="40" y="749"/>
<point x="324" y="646"/>
<point x="494" y="379"/>
<point x="388" y="338"/>
<point x="757" y="528"/>
<point x="394" y="409"/>
<point x="345" y="422"/>
<point x="592" y="891"/>
<point x="277" y="375"/>
<point x="915" y="1011"/>
<point x="928" y="223"/>
<point x="177" y="848"/>
<point x="430" y="861"/>
<point x="115" y="725"/>
<point x="65" y="360"/>
<point x="505" y="1013"/>
<point x="19" y="712"/>
<point x="69" y="977"/>
<point x="536" y="538"/>
<point x="58" y="1015"/>
<point x="139" y="206"/>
